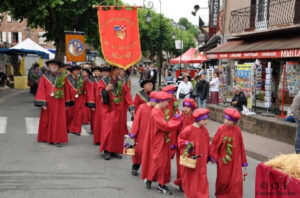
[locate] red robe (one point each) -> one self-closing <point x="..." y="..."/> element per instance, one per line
<point x="229" y="183"/>
<point x="186" y="121"/>
<point x="160" y="151"/>
<point x="52" y="125"/>
<point x="74" y="113"/>
<point x="87" y="112"/>
<point x="112" y="116"/>
<point x="96" y="117"/>
<point x="194" y="181"/>
<point x="140" y="98"/>
<point x="173" y="136"/>
<point x="140" y="123"/>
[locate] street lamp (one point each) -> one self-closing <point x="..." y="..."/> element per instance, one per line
<point x="149" y="6"/>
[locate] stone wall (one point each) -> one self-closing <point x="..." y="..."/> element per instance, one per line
<point x="269" y="127"/>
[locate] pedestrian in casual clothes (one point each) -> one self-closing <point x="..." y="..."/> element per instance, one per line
<point x="239" y="99"/>
<point x="184" y="90"/>
<point x="194" y="181"/>
<point x="296" y="113"/>
<point x="214" y="89"/>
<point x="228" y="151"/>
<point x="34" y="75"/>
<point x="53" y="99"/>
<point x="202" y="91"/>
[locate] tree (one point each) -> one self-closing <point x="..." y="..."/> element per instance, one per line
<point x="189" y="26"/>
<point x="58" y="16"/>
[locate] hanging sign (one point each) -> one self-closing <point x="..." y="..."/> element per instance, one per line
<point x="119" y="36"/>
<point x="75" y="47"/>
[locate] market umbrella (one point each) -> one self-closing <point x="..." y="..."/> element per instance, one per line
<point x="190" y="56"/>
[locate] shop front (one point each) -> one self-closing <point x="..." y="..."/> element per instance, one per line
<point x="267" y="69"/>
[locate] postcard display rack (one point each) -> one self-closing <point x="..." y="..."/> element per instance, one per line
<point x="268" y="86"/>
<point x="292" y="77"/>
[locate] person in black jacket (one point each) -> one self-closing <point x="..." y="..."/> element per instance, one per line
<point x="239" y="99"/>
<point x="202" y="90"/>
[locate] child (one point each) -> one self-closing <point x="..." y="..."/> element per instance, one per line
<point x="160" y="164"/>
<point x="138" y="132"/>
<point x="194" y="181"/>
<point x="189" y="105"/>
<point x="228" y="151"/>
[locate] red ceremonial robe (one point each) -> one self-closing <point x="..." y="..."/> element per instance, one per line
<point x="186" y="121"/>
<point x="194" y="181"/>
<point x="229" y="183"/>
<point x="89" y="102"/>
<point x="140" y="98"/>
<point x="96" y="117"/>
<point x="173" y="136"/>
<point x="126" y="105"/>
<point x="75" y="113"/>
<point x="52" y="125"/>
<point x="160" y="150"/>
<point x="112" y="115"/>
<point x="140" y="123"/>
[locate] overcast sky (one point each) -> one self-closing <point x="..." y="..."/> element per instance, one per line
<point x="175" y="9"/>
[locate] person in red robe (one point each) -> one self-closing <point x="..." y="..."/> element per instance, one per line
<point x="186" y="116"/>
<point x="138" y="132"/>
<point x="115" y="97"/>
<point x="88" y="84"/>
<point x="227" y="150"/>
<point x="52" y="98"/>
<point x="194" y="181"/>
<point x="75" y="87"/>
<point x="142" y="96"/>
<point x="95" y="120"/>
<point x="160" y="164"/>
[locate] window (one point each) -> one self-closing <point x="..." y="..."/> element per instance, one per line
<point x="1" y="41"/>
<point x="42" y="39"/>
<point x="15" y="37"/>
<point x="3" y="36"/>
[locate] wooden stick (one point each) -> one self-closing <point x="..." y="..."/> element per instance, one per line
<point x="97" y="6"/>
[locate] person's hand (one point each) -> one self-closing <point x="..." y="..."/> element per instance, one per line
<point x="93" y="109"/>
<point x="109" y="87"/>
<point x="234" y="103"/>
<point x="44" y="108"/>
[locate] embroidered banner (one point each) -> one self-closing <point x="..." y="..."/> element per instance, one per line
<point x="75" y="47"/>
<point x="119" y="36"/>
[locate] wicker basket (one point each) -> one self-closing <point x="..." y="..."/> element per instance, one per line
<point x="129" y="151"/>
<point x="187" y="162"/>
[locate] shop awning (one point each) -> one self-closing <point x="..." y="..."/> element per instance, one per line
<point x="280" y="47"/>
<point x="23" y="52"/>
<point x="190" y="56"/>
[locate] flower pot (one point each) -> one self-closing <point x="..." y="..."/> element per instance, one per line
<point x="129" y="151"/>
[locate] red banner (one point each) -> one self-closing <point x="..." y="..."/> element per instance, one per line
<point x="75" y="47"/>
<point x="119" y="36"/>
<point x="253" y="55"/>
<point x="271" y="183"/>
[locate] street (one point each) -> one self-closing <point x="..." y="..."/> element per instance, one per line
<point x="31" y="169"/>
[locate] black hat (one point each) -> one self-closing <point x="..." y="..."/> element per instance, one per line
<point x="55" y="62"/>
<point x="97" y="68"/>
<point x="75" y="67"/>
<point x="145" y="82"/>
<point x="106" y="68"/>
<point x="87" y="70"/>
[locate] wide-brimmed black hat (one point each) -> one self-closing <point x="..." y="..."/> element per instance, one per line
<point x="55" y="62"/>
<point x="106" y="68"/>
<point x="87" y="70"/>
<point x="96" y="68"/>
<point x="75" y="67"/>
<point x="145" y="82"/>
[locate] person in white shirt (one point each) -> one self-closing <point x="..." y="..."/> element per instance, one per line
<point x="183" y="91"/>
<point x="214" y="89"/>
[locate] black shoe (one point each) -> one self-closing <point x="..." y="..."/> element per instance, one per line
<point x="164" y="189"/>
<point x="78" y="134"/>
<point x="134" y="172"/>
<point x="58" y="144"/>
<point x="180" y="188"/>
<point x="106" y="155"/>
<point x="116" y="155"/>
<point x="148" y="184"/>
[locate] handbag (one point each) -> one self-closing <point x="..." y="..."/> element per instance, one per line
<point x="182" y="96"/>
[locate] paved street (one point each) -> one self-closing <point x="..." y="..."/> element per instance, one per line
<point x="29" y="169"/>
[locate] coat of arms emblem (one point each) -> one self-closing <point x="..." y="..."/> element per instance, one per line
<point x="120" y="31"/>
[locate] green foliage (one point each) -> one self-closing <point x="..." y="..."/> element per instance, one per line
<point x="118" y="93"/>
<point x="188" y="149"/>
<point x="228" y="142"/>
<point x="60" y="84"/>
<point x="80" y="85"/>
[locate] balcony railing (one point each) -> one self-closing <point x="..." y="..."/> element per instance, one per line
<point x="267" y="14"/>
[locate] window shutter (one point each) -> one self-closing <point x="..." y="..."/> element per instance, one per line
<point x="20" y="37"/>
<point x="3" y="36"/>
<point x="9" y="37"/>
